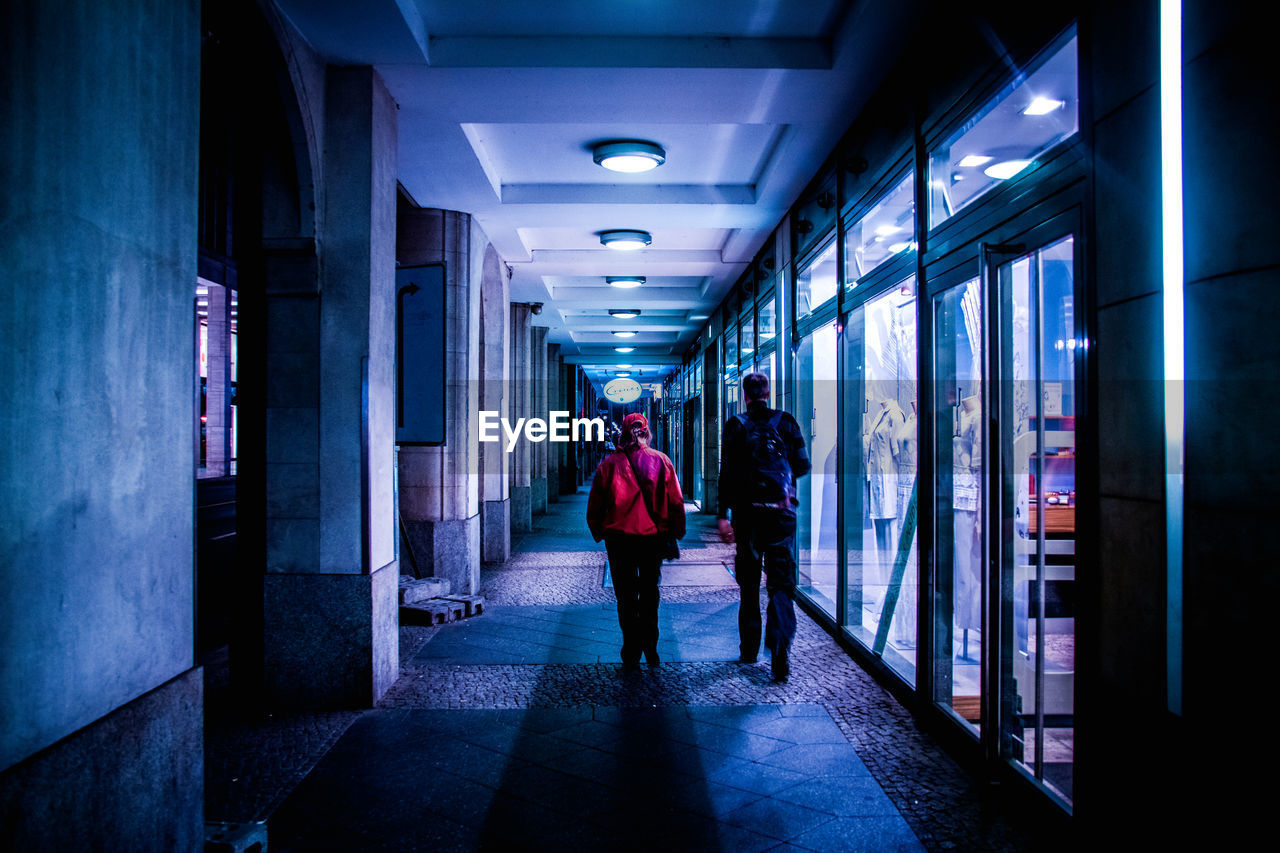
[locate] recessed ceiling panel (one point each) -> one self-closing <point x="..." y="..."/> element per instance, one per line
<point x="556" y="154"/>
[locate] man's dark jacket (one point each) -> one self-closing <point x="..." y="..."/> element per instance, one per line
<point x="735" y="460"/>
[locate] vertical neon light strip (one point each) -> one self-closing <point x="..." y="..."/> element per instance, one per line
<point x="1174" y="366"/>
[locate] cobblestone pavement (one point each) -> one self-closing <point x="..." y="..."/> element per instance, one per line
<point x="252" y="763"/>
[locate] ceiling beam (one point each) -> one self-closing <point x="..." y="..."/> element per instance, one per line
<point x="628" y="52"/>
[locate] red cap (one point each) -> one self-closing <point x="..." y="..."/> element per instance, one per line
<point x="633" y="419"/>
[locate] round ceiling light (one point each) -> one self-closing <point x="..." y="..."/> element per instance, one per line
<point x="629" y="155"/>
<point x="627" y="240"/>
<point x="624" y="280"/>
<point x="624" y="313"/>
<point x="624" y="349"/>
<point x="625" y="334"/>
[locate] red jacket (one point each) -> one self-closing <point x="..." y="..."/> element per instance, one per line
<point x="615" y="504"/>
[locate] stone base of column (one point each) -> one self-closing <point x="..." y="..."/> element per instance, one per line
<point x="133" y="780"/>
<point x="521" y="509"/>
<point x="495" y="531"/>
<point x="538" y="498"/>
<point x="331" y="641"/>
<point x="453" y="551"/>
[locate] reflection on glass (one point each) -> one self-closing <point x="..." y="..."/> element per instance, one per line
<point x="748" y="346"/>
<point x="958" y="471"/>
<point x="817" y="403"/>
<point x="731" y="348"/>
<point x="885" y="230"/>
<point x="881" y="551"/>
<point x="816" y="283"/>
<point x="767" y="319"/>
<point x="765" y="366"/>
<point x="1030" y="116"/>
<point x="1038" y="560"/>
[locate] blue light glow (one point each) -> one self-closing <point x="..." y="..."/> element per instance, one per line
<point x="1174" y="357"/>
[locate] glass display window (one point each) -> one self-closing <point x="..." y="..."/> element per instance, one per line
<point x="817" y="412"/>
<point x="960" y="510"/>
<point x="816" y="283"/>
<point x="1004" y="138"/>
<point x="886" y="230"/>
<point x="731" y="348"/>
<point x="747" y="340"/>
<point x="881" y="440"/>
<point x="766" y="319"/>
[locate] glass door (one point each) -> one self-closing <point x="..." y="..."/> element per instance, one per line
<point x="959" y="543"/>
<point x="1036" y="426"/>
<point x="817" y="403"/>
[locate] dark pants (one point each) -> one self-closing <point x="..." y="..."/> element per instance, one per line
<point x="635" y="564"/>
<point x="765" y="540"/>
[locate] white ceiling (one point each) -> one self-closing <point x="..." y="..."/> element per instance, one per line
<point x="500" y="102"/>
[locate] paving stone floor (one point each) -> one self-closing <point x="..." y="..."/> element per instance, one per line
<point x="518" y="730"/>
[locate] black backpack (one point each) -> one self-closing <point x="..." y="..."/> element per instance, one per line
<point x="769" y="479"/>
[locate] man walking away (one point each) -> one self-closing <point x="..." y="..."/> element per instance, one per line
<point x="763" y="454"/>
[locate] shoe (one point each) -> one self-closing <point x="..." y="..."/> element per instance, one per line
<point x="743" y="659"/>
<point x="780" y="665"/>
<point x="630" y="665"/>
<point x="651" y="657"/>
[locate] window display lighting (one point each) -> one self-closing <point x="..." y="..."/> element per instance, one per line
<point x="1043" y="106"/>
<point x="972" y="160"/>
<point x="1006" y="169"/>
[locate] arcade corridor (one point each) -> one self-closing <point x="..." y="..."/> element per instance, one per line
<point x="280" y="276"/>
<point x="517" y="729"/>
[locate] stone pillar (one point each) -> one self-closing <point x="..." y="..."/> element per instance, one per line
<point x="495" y="499"/>
<point x="439" y="490"/>
<point x="217" y="384"/>
<point x="521" y="402"/>
<point x="330" y="607"/>
<point x="554" y="403"/>
<point x="538" y="450"/>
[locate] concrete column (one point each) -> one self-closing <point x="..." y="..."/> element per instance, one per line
<point x="539" y="450"/>
<point x="555" y="451"/>
<point x="101" y="721"/>
<point x="495" y="501"/>
<point x="521" y="402"/>
<point x="217" y="384"/>
<point x="330" y="608"/>
<point x="439" y="489"/>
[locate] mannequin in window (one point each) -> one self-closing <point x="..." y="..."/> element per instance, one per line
<point x="967" y="461"/>
<point x="882" y="477"/>
<point x="906" y="439"/>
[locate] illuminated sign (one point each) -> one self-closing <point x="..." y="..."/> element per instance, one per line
<point x="622" y="390"/>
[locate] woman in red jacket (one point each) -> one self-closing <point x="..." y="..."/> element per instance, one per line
<point x="636" y="507"/>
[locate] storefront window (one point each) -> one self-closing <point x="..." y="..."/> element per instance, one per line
<point x="1037" y="429"/>
<point x="887" y="229"/>
<point x="748" y="341"/>
<point x="880" y="500"/>
<point x="817" y="406"/>
<point x="816" y="284"/>
<point x="731" y="348"/>
<point x="1026" y="119"/>
<point x="767" y="319"/>
<point x="959" y="456"/>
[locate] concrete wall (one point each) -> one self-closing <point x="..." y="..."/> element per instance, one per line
<point x="98" y="154"/>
